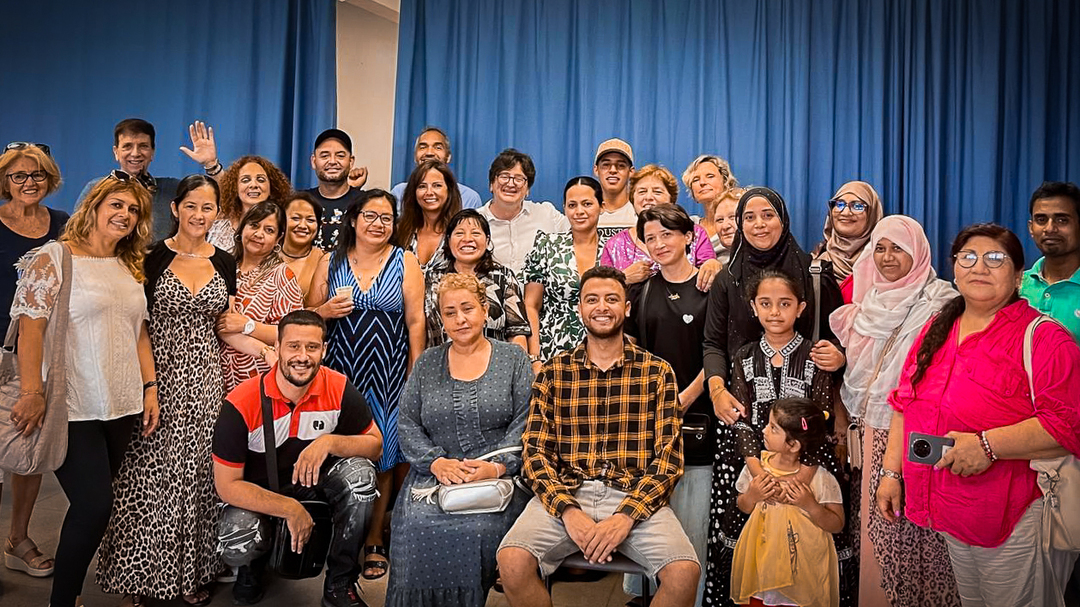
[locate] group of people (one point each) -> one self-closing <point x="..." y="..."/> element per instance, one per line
<point x="700" y="394"/>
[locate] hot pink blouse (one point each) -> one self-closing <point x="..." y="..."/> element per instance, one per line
<point x="979" y="385"/>
<point x="620" y="252"/>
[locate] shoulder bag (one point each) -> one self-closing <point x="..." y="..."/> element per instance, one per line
<point x="477" y="497"/>
<point x="1059" y="479"/>
<point x="44" y="450"/>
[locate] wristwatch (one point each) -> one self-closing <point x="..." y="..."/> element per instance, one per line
<point x="249" y="327"/>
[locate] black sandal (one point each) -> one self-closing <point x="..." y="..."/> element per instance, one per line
<point x="381" y="566"/>
<point x="193" y="599"/>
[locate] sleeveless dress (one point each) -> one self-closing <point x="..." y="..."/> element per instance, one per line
<point x="371" y="345"/>
<point x="162" y="541"/>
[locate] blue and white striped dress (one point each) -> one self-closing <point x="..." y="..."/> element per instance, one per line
<point x="371" y="345"/>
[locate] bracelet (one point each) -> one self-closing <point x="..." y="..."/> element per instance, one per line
<point x="150" y="384"/>
<point x="885" y="472"/>
<point x="265" y="349"/>
<point x="214" y="170"/>
<point x="40" y="392"/>
<point x="990" y="455"/>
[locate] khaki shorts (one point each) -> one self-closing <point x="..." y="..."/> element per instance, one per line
<point x="652" y="543"/>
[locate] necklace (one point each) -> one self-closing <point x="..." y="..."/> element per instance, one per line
<point x="667" y="286"/>
<point x="174" y="249"/>
<point x="359" y="271"/>
<point x="310" y="249"/>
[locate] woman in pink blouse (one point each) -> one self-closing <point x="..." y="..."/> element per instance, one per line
<point x="964" y="378"/>
<point x="649" y="186"/>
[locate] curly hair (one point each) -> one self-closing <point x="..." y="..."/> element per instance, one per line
<point x="131" y="249"/>
<point x="654" y="170"/>
<point x="465" y="282"/>
<point x="280" y="188"/>
<point x="44" y="162"/>
<point x="942" y="324"/>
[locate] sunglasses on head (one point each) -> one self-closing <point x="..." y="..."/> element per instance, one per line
<point x="18" y="145"/>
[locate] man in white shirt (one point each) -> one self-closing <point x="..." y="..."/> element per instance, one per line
<point x="612" y="166"/>
<point x="515" y="221"/>
<point x="433" y="144"/>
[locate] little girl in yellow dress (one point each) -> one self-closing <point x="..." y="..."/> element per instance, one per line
<point x="785" y="554"/>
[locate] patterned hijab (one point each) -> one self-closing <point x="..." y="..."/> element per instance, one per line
<point x="842" y="251"/>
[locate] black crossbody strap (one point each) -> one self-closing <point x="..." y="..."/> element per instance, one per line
<point x="269" y="438"/>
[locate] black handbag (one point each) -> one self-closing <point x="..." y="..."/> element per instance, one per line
<point x="310" y="560"/>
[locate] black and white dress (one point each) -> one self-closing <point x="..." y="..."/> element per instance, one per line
<point x="161" y="541"/>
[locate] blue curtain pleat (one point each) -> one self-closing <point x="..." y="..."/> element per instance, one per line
<point x="261" y="72"/>
<point x="955" y="110"/>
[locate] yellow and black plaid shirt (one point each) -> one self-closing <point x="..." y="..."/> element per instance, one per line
<point x="619" y="426"/>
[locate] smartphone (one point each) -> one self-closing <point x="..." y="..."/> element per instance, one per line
<point x="927" y="448"/>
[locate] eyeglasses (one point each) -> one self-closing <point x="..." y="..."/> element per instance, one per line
<point x="506" y="178"/>
<point x="371" y="217"/>
<point x="856" y="207"/>
<point x="18" y="145"/>
<point x="992" y="259"/>
<point x="21" y="177"/>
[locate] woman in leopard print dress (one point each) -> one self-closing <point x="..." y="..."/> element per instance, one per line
<point x="161" y="541"/>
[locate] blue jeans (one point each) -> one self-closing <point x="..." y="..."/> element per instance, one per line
<point x="690" y="502"/>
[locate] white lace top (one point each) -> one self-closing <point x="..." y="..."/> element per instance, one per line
<point x="107" y="311"/>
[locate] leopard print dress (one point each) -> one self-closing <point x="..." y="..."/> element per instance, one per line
<point x="161" y="540"/>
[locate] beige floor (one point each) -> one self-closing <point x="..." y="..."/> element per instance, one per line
<point x="20" y="590"/>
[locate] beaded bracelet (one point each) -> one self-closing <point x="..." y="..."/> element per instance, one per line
<point x="990" y="455"/>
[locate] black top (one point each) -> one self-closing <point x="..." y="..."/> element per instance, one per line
<point x="333" y="210"/>
<point x="12" y="247"/>
<point x="160" y="256"/>
<point x="668" y="320"/>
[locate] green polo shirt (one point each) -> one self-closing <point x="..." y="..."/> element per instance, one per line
<point x="1060" y="300"/>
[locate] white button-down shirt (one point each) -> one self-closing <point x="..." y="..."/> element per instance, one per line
<point x="512" y="239"/>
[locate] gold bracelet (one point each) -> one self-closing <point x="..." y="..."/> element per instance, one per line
<point x="40" y="392"/>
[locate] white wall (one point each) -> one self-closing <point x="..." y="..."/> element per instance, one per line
<point x="367" y="37"/>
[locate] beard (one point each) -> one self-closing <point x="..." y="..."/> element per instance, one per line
<point x="616" y="328"/>
<point x="299" y="377"/>
<point x="324" y="177"/>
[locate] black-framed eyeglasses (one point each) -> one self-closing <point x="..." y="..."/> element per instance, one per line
<point x="992" y="259"/>
<point x="21" y="177"/>
<point x="506" y="178"/>
<point x="371" y="217"/>
<point x="19" y="145"/>
<point x="856" y="207"/>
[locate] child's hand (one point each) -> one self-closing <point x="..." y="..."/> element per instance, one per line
<point x="764" y="488"/>
<point x="799" y="494"/>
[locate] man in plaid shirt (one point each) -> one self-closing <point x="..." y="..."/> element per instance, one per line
<point x="602" y="452"/>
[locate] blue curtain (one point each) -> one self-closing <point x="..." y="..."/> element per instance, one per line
<point x="954" y="109"/>
<point x="261" y="72"/>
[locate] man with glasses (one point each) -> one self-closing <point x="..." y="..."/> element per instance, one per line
<point x="515" y="221"/>
<point x="134" y="147"/>
<point x="1052" y="285"/>
<point x="433" y="144"/>
<point x="612" y="166"/>
<point x="340" y="184"/>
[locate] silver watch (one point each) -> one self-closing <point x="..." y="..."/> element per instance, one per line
<point x="249" y="327"/>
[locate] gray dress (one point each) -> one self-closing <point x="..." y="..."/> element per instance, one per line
<point x="440" y="559"/>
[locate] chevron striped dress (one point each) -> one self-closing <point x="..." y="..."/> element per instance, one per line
<point x="371" y="345"/>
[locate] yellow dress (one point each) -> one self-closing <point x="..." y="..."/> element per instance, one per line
<point x="781" y="550"/>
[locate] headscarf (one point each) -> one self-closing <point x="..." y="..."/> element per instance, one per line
<point x="842" y="250"/>
<point x="786" y="255"/>
<point x="878" y="307"/>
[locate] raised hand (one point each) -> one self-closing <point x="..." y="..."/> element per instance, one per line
<point x="203" y="148"/>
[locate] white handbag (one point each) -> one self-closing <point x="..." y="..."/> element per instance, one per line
<point x="1059" y="479"/>
<point x="477" y="497"/>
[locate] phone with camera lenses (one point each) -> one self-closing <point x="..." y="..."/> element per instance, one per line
<point x="927" y="448"/>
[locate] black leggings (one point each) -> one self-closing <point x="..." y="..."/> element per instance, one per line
<point x="95" y="451"/>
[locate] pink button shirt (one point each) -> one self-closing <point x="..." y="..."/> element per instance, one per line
<point x="979" y="385"/>
<point x="620" y="252"/>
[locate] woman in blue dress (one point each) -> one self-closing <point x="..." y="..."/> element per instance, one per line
<point x="372" y="294"/>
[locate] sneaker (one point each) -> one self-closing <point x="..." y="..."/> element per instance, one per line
<point x="247" y="590"/>
<point x="343" y="596"/>
<point x="227" y="576"/>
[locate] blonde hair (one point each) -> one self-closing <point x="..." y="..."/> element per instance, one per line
<point x="132" y="248"/>
<point x="722" y="165"/>
<point x="465" y="282"/>
<point x="654" y="170"/>
<point x="43" y="160"/>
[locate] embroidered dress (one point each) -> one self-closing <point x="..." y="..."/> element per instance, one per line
<point x="371" y="345"/>
<point x="449" y="559"/>
<point x="551" y="263"/>
<point x="758" y="384"/>
<point x="162" y="541"/>
<point x="264" y="295"/>
<point x="506" y="306"/>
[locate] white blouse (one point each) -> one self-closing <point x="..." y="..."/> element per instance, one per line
<point x="107" y="312"/>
